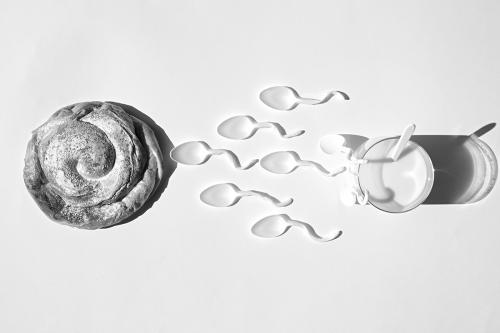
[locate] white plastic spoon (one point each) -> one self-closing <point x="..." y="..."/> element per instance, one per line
<point x="401" y="144"/>
<point x="350" y="197"/>
<point x="228" y="194"/>
<point x="335" y="143"/>
<point x="276" y="225"/>
<point x="284" y="162"/>
<point x="286" y="98"/>
<point x="198" y="152"/>
<point x="244" y="127"/>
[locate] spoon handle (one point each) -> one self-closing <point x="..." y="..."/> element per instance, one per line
<point x="314" y="165"/>
<point x="312" y="233"/>
<point x="338" y="171"/>
<point x="403" y="140"/>
<point x="362" y="198"/>
<point x="310" y="101"/>
<point x="234" y="159"/>
<point x="321" y="168"/>
<point x="268" y="197"/>
<point x="330" y="95"/>
<point x="280" y="129"/>
<point x="485" y="129"/>
<point x="358" y="161"/>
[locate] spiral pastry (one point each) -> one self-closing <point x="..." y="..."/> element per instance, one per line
<point x="91" y="165"/>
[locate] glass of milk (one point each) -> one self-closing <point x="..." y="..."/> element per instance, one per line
<point x="394" y="186"/>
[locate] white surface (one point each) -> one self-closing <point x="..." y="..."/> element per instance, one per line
<point x="187" y="267"/>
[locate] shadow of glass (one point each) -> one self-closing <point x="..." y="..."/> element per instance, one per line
<point x="485" y="129"/>
<point x="169" y="165"/>
<point x="455" y="167"/>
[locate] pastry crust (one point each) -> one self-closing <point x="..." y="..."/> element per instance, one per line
<point x="92" y="165"/>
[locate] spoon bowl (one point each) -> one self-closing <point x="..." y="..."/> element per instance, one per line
<point x="221" y="195"/>
<point x="271" y="226"/>
<point x="281" y="162"/>
<point x="238" y="127"/>
<point x="280" y="98"/>
<point x="191" y="153"/>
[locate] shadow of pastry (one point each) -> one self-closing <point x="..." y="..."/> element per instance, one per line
<point x="169" y="165"/>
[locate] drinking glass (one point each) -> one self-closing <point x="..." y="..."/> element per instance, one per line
<point x="394" y="186"/>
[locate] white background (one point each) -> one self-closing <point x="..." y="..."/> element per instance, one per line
<point x="187" y="267"/>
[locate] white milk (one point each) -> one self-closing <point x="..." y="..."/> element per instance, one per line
<point x="400" y="185"/>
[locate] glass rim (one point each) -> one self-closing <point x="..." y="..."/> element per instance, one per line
<point x="429" y="179"/>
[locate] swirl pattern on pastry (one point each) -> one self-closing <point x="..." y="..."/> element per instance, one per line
<point x="91" y="165"/>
